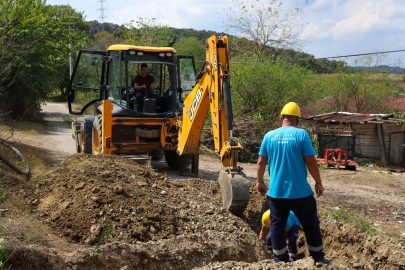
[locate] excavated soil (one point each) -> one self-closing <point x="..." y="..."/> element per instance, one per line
<point x="161" y="223"/>
<point x="86" y="192"/>
<point x="84" y="195"/>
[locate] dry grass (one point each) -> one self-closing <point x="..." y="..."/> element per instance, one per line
<point x="37" y="158"/>
<point x="68" y="120"/>
<point x="27" y="239"/>
<point x="21" y="127"/>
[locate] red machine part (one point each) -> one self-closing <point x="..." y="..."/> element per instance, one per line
<point x="330" y="159"/>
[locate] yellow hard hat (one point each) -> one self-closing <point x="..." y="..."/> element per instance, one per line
<point x="291" y="108"/>
<point x="266" y="219"/>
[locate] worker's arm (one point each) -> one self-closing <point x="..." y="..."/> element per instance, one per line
<point x="263" y="233"/>
<point x="138" y="87"/>
<point x="153" y="85"/>
<point x="261" y="167"/>
<point x="314" y="171"/>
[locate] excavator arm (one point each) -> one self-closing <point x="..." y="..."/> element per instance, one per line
<point x="213" y="91"/>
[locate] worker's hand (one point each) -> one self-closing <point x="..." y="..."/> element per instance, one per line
<point x="261" y="188"/>
<point x="319" y="190"/>
<point x="144" y="86"/>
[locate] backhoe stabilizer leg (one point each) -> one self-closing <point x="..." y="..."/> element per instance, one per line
<point x="235" y="190"/>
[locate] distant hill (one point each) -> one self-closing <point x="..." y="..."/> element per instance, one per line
<point x="238" y="46"/>
<point x="96" y="27"/>
<point x="392" y="70"/>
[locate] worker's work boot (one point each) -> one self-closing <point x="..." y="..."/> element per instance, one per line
<point x="270" y="249"/>
<point x="293" y="256"/>
<point x="325" y="260"/>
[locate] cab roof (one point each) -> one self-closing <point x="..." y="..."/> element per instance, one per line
<point x="123" y="47"/>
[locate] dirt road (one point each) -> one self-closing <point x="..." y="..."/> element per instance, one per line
<point x="58" y="137"/>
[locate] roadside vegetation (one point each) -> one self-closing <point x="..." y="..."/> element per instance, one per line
<point x="268" y="67"/>
<point x="348" y="216"/>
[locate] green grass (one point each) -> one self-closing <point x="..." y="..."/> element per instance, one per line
<point x="323" y="166"/>
<point x="230" y="251"/>
<point x="348" y="216"/>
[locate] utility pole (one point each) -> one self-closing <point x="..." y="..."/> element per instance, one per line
<point x="70" y="58"/>
<point x="102" y="11"/>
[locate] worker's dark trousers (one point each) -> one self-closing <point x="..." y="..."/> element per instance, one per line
<point x="292" y="241"/>
<point x="305" y="210"/>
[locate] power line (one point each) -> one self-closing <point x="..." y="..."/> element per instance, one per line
<point x="309" y="59"/>
<point x="103" y="16"/>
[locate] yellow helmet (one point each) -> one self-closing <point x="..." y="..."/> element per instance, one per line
<point x="266" y="219"/>
<point x="291" y="108"/>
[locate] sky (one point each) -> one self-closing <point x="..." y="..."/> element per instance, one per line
<point x="331" y="27"/>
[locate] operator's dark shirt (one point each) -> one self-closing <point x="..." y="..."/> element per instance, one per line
<point x="147" y="80"/>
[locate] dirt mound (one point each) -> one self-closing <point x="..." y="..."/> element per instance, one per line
<point x="84" y="195"/>
<point x="160" y="223"/>
<point x="347" y="245"/>
<point x="86" y="192"/>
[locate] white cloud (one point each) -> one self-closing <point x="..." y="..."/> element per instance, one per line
<point x="175" y="13"/>
<point x="313" y="30"/>
<point x="360" y="17"/>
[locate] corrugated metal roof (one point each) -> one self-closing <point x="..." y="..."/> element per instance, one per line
<point x="343" y="117"/>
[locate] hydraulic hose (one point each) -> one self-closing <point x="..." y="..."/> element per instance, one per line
<point x="11" y="165"/>
<point x="226" y="89"/>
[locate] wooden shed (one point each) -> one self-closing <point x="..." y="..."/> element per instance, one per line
<point x="374" y="136"/>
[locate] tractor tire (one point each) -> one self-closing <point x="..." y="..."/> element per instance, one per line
<point x="156" y="154"/>
<point x="175" y="161"/>
<point x="79" y="142"/>
<point x="97" y="136"/>
<point x="86" y="128"/>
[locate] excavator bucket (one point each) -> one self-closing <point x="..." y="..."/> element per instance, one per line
<point x="235" y="190"/>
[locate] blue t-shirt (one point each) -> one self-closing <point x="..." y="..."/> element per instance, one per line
<point x="285" y="149"/>
<point x="291" y="221"/>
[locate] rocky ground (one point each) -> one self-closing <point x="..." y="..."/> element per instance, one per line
<point x="149" y="221"/>
<point x="110" y="212"/>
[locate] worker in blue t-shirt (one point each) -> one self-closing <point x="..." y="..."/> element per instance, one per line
<point x="289" y="152"/>
<point x="291" y="232"/>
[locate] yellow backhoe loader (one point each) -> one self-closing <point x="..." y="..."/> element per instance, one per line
<point x="165" y="124"/>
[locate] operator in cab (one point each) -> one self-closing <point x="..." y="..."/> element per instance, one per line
<point x="143" y="86"/>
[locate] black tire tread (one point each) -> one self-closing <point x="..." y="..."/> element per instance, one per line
<point x="97" y="124"/>
<point x="87" y="127"/>
<point x="78" y="142"/>
<point x="175" y="161"/>
<point x="156" y="154"/>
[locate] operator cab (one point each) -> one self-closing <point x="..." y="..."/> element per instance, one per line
<point x="110" y="75"/>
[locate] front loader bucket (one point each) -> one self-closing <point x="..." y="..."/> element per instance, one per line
<point x="235" y="190"/>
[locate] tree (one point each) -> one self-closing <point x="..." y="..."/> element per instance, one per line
<point x="102" y="40"/>
<point x="44" y="33"/>
<point x="149" y="33"/>
<point x="263" y="89"/>
<point x="191" y="46"/>
<point x="268" y="24"/>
